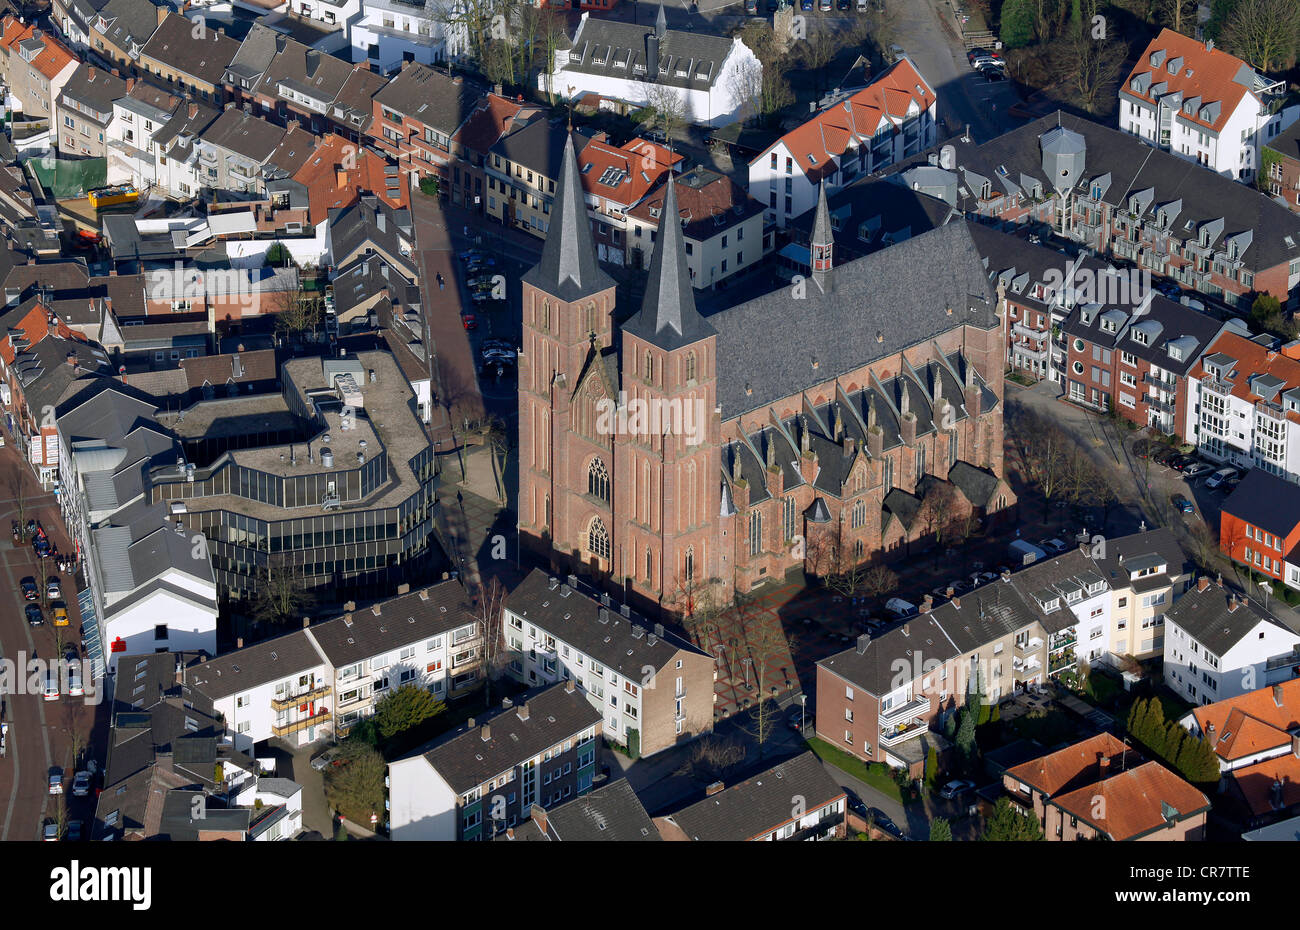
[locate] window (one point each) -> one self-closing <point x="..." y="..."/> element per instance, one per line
<point x="598" y="539"/>
<point x="755" y="533"/>
<point x="598" y="480"/>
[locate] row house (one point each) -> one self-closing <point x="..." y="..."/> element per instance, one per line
<point x="616" y="178"/>
<point x="522" y="169"/>
<point x="1135" y="358"/>
<point x="795" y="800"/>
<point x="1259" y="525"/>
<point x="891" y="119"/>
<point x="239" y="152"/>
<point x="1219" y="645"/>
<point x="338" y="173"/>
<point x="85" y="110"/>
<point x="722" y="227"/>
<point x="120" y="30"/>
<point x="610" y="813"/>
<point x="386" y="34"/>
<point x="882" y="699"/>
<point x="414" y="117"/>
<point x="72" y="19"/>
<point x="152" y="140"/>
<point x="496" y="117"/>
<point x="34" y="67"/>
<point x="1244" y="404"/>
<point x="1280" y="168"/>
<point x="189" y="56"/>
<point x="486" y="776"/>
<point x="1108" y="191"/>
<point x="714" y="78"/>
<point x="1202" y="104"/>
<point x="654" y="688"/>
<point x="1101" y="789"/>
<point x="301" y="84"/>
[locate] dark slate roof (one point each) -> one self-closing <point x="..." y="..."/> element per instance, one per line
<point x="1206" y="617"/>
<point x="990" y="612"/>
<point x="204" y="57"/>
<point x="1159" y="542"/>
<point x="575" y="619"/>
<point x="1266" y="501"/>
<point x="1167" y="324"/>
<point x="1287" y="142"/>
<point x="701" y="54"/>
<point x="465" y="759"/>
<point x="180" y="825"/>
<point x="977" y="485"/>
<point x="128" y="21"/>
<point x="406" y="619"/>
<point x="420" y="93"/>
<point x="759" y="805"/>
<point x="919" y="640"/>
<point x="668" y="318"/>
<point x="568" y="269"/>
<point x="244" y="134"/>
<point x="612" y="812"/>
<point x="259" y="664"/>
<point x="881" y="304"/>
<point x="94" y="88"/>
<point x="1022" y="264"/>
<point x="821" y="227"/>
<point x="872" y="214"/>
<point x="538" y="145"/>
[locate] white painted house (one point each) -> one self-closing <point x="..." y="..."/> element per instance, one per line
<point x="1202" y="104"/>
<point x="385" y="33"/>
<point x="1219" y="645"/>
<point x="713" y="77"/>
<point x="892" y="118"/>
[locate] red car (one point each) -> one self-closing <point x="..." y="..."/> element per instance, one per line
<point x="469" y="321"/>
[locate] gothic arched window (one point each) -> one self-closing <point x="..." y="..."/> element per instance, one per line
<point x="544" y="318"/>
<point x="598" y="480"/>
<point x="688" y="566"/>
<point x="591" y="318"/>
<point x="649" y="370"/>
<point x="690" y="366"/>
<point x="598" y="539"/>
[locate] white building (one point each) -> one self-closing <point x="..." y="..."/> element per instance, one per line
<point x="387" y="32"/>
<point x="137" y="118"/>
<point x="892" y="118"/>
<point x="1219" y="645"/>
<point x="1251" y="727"/>
<point x="713" y="78"/>
<point x="1203" y="104"/>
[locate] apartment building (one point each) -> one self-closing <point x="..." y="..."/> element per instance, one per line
<point x="614" y="179"/>
<point x="1203" y="104"/>
<point x="891" y="119"/>
<point x="73" y="19"/>
<point x="1280" y="168"/>
<point x="1133" y="355"/>
<point x="1219" y="645"/>
<point x="610" y="813"/>
<point x="521" y="169"/>
<point x="714" y="77"/>
<point x="1100" y="789"/>
<point x="654" y="688"/>
<point x="486" y="776"/>
<point x="428" y="638"/>
<point x="34" y="67"/>
<point x="386" y="34"/>
<point x="1244" y="404"/>
<point x="1146" y="573"/>
<point x="1108" y="191"/>
<point x="138" y="115"/>
<point x="236" y="153"/>
<point x="300" y="84"/>
<point x="1251" y="727"/>
<point x="496" y="117"/>
<point x="1259" y="525"/>
<point x="794" y="800"/>
<point x="121" y="28"/>
<point x="85" y="109"/>
<point x="722" y="227"/>
<point x="189" y="57"/>
<point x="414" y="117"/>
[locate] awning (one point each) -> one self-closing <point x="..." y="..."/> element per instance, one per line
<point x="90" y="634"/>
<point x="796" y="253"/>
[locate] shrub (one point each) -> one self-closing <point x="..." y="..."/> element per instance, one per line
<point x="429" y="186"/>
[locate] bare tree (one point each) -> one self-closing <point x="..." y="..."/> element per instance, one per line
<point x="712" y="758"/>
<point x="297" y="313"/>
<point x="669" y="111"/>
<point x="1266" y="33"/>
<point x="491" y="604"/>
<point x="850" y="579"/>
<point x="281" y="596"/>
<point x="880" y="580"/>
<point x="18" y="495"/>
<point x="817" y="51"/>
<point x="939" y="510"/>
<point x="1096" y="65"/>
<point x="764" y="641"/>
<point x="499" y="445"/>
<point x="1178" y="15"/>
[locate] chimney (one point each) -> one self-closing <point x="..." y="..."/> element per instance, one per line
<point x="193" y="110"/>
<point x="538" y="815"/>
<point x="404" y="588"/>
<point x="1277" y="695"/>
<point x="522" y="710"/>
<point x="350" y="606"/>
<point x="1232" y="603"/>
<point x="510" y="833"/>
<point x="1209" y="733"/>
<point x="1006" y="575"/>
<point x="714" y="789"/>
<point x="90" y="75"/>
<point x="306" y="622"/>
<point x="485" y="732"/>
<point x="1202" y="583"/>
<point x="927" y="604"/>
<point x="1103" y="763"/>
<point x="130" y="84"/>
<point x="340" y="178"/>
<point x="568" y="686"/>
<point x="956" y="602"/>
<point x="863" y="642"/>
<point x="1295" y="745"/>
<point x="239" y="642"/>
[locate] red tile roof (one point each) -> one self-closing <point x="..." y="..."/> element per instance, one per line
<point x="884" y="101"/>
<point x="1134" y="802"/>
<point x="1205" y="73"/>
<point x="1253" y="722"/>
<point x="494" y="116"/>
<point x="337" y="173"/>
<point x="1256" y="783"/>
<point x="642" y="164"/>
<point x="1055" y="771"/>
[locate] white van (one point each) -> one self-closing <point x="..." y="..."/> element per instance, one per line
<point x="900" y="608"/>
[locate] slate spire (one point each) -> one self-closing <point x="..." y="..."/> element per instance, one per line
<point x="822" y="242"/>
<point x="661" y="23"/>
<point x="568" y="269"/>
<point x="668" y="317"/>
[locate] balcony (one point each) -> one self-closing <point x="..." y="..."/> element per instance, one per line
<point x="1158" y="405"/>
<point x="1159" y="382"/>
<point x="1270" y="411"/>
<point x="902" y="733"/>
<point x="1062" y="641"/>
<point x="905" y="712"/>
<point x="1058" y="663"/>
<point x="293" y="700"/>
<point x="1029" y="646"/>
<point x="1026" y="668"/>
<point x="298" y="725"/>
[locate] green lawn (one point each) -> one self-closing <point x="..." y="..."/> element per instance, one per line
<point x="877" y="774"/>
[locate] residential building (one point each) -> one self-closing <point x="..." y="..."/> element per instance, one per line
<point x="138" y="115"/>
<point x="1244" y="404"/>
<point x="1146" y="573"/>
<point x="189" y="57"/>
<point x="1203" y="104"/>
<point x="85" y="108"/>
<point x="485" y="777"/>
<point x="121" y="28"/>
<point x="889" y="120"/>
<point x="522" y="169"/>
<point x="793" y="800"/>
<point x="73" y="19"/>
<point x="338" y="173"/>
<point x="1107" y="191"/>
<point x="754" y="464"/>
<point x="1100" y="789"/>
<point x="428" y="638"/>
<point x="1219" y="645"/>
<point x="386" y="34"/>
<point x="496" y="117"/>
<point x="1251" y="727"/>
<point x="616" y="178"/>
<point x="1280" y="167"/>
<point x="609" y="813"/>
<point x="654" y="688"/>
<point x="414" y="118"/>
<point x="300" y="84"/>
<point x="34" y="67"/>
<point x="713" y="77"/>
<point x="1259" y="525"/>
<point x="722" y="227"/>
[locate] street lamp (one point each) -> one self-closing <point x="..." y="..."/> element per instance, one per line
<point x="803" y="709"/>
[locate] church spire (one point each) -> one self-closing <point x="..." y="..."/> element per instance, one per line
<point x="568" y="269"/>
<point x="661" y="23"/>
<point x="822" y="242"/>
<point x="668" y="317"/>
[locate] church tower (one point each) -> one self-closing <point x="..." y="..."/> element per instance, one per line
<point x="821" y="244"/>
<point x="669" y="457"/>
<point x="566" y="479"/>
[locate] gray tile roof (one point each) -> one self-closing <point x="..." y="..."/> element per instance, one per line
<point x="1209" y="617"/>
<point x="259" y="664"/>
<point x="92" y="87"/>
<point x="612" y="49"/>
<point x="405" y="619"/>
<point x="1266" y="501"/>
<point x="1164" y="322"/>
<point x="465" y="759"/>
<point x="977" y="485"/>
<point x="129" y="22"/>
<point x="568" y="268"/>
<point x="306" y="70"/>
<point x="203" y="57"/>
<point x="420" y="93"/>
<point x="761" y="804"/>
<point x="613" y="813"/>
<point x="244" y="134"/>
<point x="913" y="644"/>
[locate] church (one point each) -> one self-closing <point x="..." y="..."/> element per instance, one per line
<point x="846" y="419"/>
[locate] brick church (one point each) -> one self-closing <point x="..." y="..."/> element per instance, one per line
<point x="845" y="416"/>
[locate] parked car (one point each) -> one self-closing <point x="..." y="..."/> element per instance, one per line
<point x="900" y="608"/>
<point x="60" y="615"/>
<point x="977" y="52"/>
<point x="955" y="789"/>
<point x="56" y="781"/>
<point x="825" y="6"/>
<point x="1053" y="546"/>
<point x="468" y="320"/>
<point x="1196" y="469"/>
<point x="51" y="686"/>
<point x="993" y="74"/>
<point x="806" y="5"/>
<point x="1179" y="462"/>
<point x="323" y="760"/>
<point x="81" y="784"/>
<point x="881" y="819"/>
<point x="1182" y="504"/>
<point x="50" y="832"/>
<point x="751" y="7"/>
<point x="855" y="805"/>
<point x="862" y="6"/>
<point x="34" y="615"/>
<point x="986" y="61"/>
<point x="1163" y="455"/>
<point x="843" y="5"/>
<point x="53" y="590"/>
<point x="75" y="686"/>
<point x="74" y="831"/>
<point x="1220" y="478"/>
<point x="30" y="591"/>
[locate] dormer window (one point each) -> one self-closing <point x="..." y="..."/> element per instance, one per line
<point x="1140" y="337"/>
